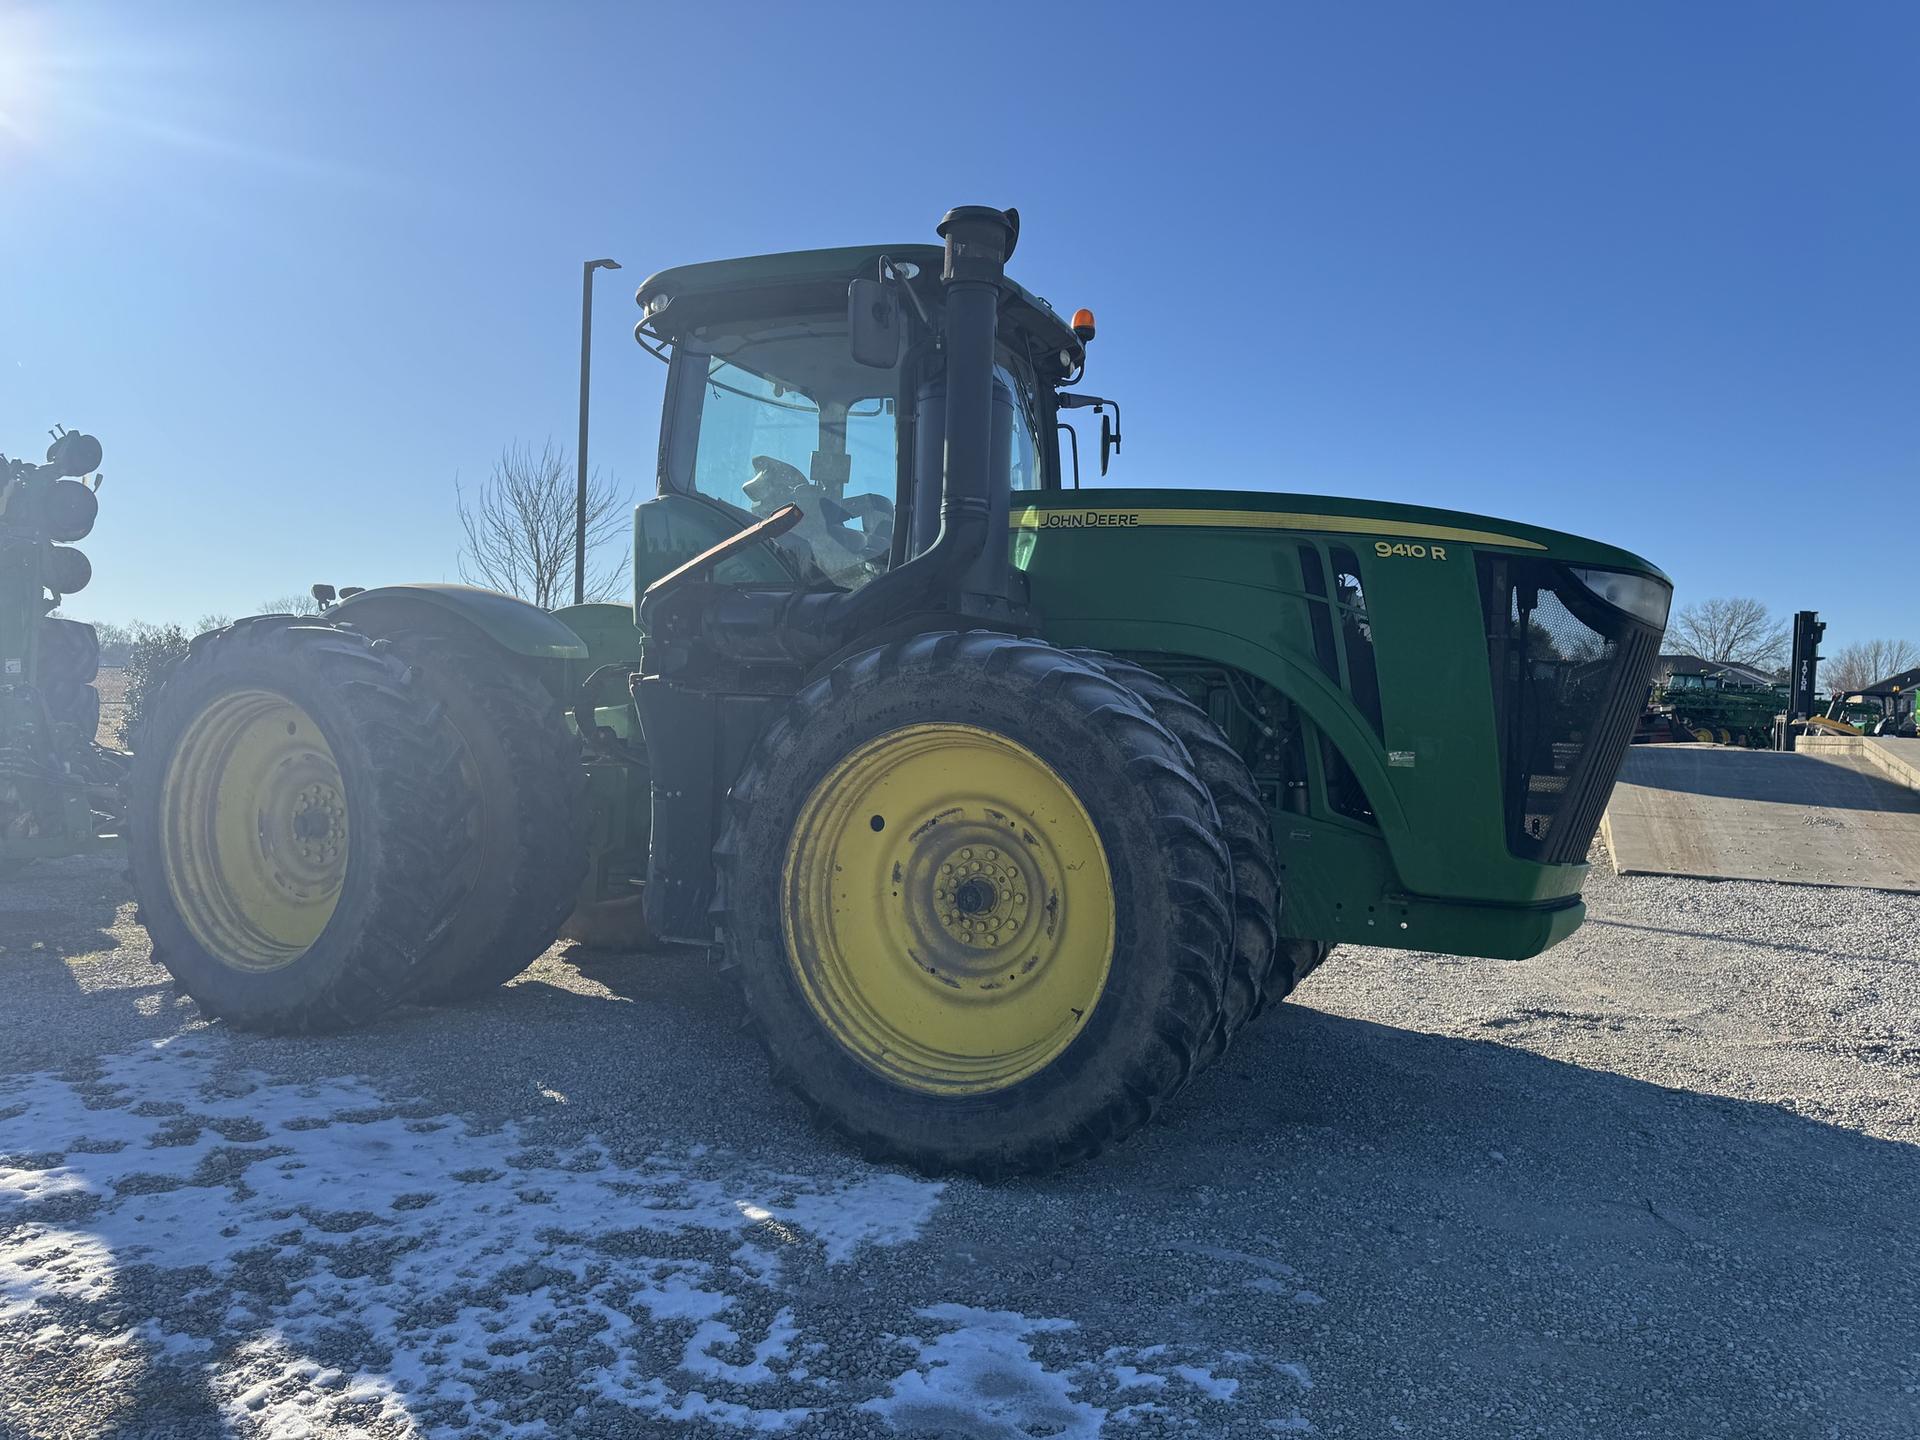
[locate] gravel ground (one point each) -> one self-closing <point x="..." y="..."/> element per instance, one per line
<point x="1659" y="1181"/>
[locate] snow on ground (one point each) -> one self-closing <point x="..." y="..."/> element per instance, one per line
<point x="981" y="1378"/>
<point x="323" y="1258"/>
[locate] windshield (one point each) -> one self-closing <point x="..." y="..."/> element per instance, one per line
<point x="787" y="417"/>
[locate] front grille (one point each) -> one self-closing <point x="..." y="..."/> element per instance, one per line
<point x="1570" y="678"/>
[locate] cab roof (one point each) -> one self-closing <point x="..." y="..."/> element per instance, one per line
<point x="802" y="281"/>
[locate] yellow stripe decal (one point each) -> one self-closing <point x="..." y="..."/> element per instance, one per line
<point x="1035" y="517"/>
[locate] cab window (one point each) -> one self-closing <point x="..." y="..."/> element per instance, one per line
<point x="1025" y="459"/>
<point x="789" y="419"/>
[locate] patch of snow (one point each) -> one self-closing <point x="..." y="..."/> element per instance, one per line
<point x="1203" y="1380"/>
<point x="1295" y="1372"/>
<point x="888" y="1209"/>
<point x="710" y="1335"/>
<point x="462" y="1255"/>
<point x="981" y="1378"/>
<point x="328" y="1259"/>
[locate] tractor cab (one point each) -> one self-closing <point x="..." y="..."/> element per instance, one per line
<point x="768" y="404"/>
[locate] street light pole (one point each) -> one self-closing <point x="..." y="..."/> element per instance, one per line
<point x="586" y="371"/>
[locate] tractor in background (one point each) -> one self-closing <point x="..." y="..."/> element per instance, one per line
<point x="60" y="790"/>
<point x="1007" y="803"/>
<point x="1885" y="707"/>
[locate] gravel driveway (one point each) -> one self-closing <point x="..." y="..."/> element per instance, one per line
<point x="1663" y="1180"/>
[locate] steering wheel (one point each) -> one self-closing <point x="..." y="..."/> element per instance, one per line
<point x="859" y="526"/>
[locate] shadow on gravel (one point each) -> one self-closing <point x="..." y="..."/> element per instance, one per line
<point x="1826" y="953"/>
<point x="72" y="985"/>
<point x="56" y="909"/>
<point x="1766" y="775"/>
<point x="1454" y="1236"/>
<point x="1489" y="1228"/>
<point x="1591" y="1243"/>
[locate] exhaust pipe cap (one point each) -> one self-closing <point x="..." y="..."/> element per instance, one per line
<point x="980" y="240"/>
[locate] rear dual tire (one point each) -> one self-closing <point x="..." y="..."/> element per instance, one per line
<point x="325" y="825"/>
<point x="522" y="771"/>
<point x="288" y="835"/>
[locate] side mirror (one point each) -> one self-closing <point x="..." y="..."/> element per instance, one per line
<point x="874" y="332"/>
<point x="1109" y="440"/>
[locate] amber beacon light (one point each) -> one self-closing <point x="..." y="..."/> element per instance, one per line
<point x="1083" y="323"/>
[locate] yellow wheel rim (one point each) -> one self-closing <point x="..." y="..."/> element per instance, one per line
<point x="948" y="909"/>
<point x="254" y="837"/>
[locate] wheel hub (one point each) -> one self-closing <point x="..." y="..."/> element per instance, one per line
<point x="319" y="822"/>
<point x="949" y="911"/>
<point x="980" y="896"/>
<point x="255" y="842"/>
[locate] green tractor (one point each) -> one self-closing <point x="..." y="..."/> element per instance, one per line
<point x="1007" y="803"/>
<point x="59" y="788"/>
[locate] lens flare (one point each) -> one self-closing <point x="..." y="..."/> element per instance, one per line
<point x="22" y="75"/>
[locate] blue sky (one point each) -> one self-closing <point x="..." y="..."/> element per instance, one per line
<point x="1648" y="272"/>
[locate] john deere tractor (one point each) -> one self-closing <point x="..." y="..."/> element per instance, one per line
<point x="1007" y="802"/>
<point x="59" y="789"/>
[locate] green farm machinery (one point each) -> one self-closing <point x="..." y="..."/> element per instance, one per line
<point x="59" y="788"/>
<point x="1885" y="707"/>
<point x="1008" y="803"/>
<point x="1725" y="715"/>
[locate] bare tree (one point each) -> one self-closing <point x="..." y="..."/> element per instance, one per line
<point x="519" y="528"/>
<point x="1735" y="629"/>
<point x="1860" y="664"/>
<point x="115" y="641"/>
<point x="290" y="605"/>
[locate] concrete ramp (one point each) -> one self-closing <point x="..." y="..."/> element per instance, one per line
<point x="1898" y="759"/>
<point x="1827" y="818"/>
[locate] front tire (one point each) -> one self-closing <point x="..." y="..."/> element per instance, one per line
<point x="975" y="898"/>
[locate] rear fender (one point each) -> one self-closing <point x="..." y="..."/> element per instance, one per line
<point x="512" y="624"/>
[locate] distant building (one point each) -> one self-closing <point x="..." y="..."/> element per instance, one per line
<point x="1903" y="683"/>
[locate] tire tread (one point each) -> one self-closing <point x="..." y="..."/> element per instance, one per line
<point x="412" y="898"/>
<point x="1165" y="1053"/>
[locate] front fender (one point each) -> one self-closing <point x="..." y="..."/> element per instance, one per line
<point x="511" y="623"/>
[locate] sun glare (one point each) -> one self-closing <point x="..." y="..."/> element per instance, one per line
<point x="22" y="76"/>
